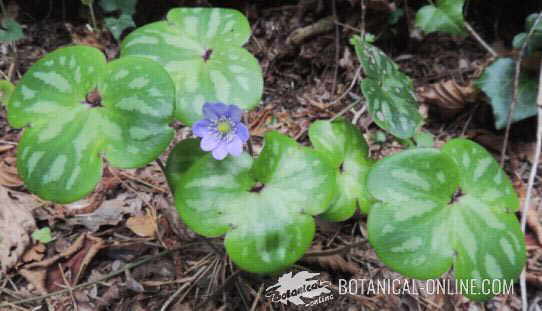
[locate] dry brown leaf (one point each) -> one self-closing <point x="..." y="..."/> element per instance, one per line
<point x="449" y="96"/>
<point x="8" y="173"/>
<point x="35" y="253"/>
<point x="333" y="263"/>
<point x="144" y="226"/>
<point x="52" y="273"/>
<point x="4" y="148"/>
<point x="111" y="212"/>
<point x="16" y="226"/>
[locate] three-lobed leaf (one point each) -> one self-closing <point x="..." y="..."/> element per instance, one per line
<point x="442" y="208"/>
<point x="343" y="145"/>
<point x="497" y="82"/>
<point x="265" y="207"/>
<point x="445" y="16"/>
<point x="59" y="154"/>
<point x="201" y="48"/>
<point x="389" y="93"/>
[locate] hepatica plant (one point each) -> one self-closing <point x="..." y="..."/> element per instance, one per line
<point x="345" y="148"/>
<point x="201" y="48"/>
<point x="75" y="109"/>
<point x="443" y="208"/>
<point x="429" y="209"/>
<point x="265" y="207"/>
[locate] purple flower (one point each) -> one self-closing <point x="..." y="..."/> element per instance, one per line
<point x="221" y="130"/>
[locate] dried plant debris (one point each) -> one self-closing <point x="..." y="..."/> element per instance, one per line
<point x="16" y="225"/>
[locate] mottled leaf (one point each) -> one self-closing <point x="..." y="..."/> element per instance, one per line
<point x="59" y="155"/>
<point x="445" y="16"/>
<point x="497" y="82"/>
<point x="389" y="93"/>
<point x="264" y="207"/>
<point x="344" y="146"/>
<point x="447" y="208"/>
<point x="201" y="50"/>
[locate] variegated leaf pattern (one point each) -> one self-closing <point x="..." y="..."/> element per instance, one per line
<point x="443" y="208"/>
<point x="201" y="48"/>
<point x="389" y="93"/>
<point x="344" y="146"/>
<point x="265" y="207"/>
<point x="59" y="155"/>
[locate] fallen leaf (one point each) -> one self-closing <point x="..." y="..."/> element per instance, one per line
<point x="8" y="173"/>
<point x="16" y="226"/>
<point x="144" y="226"/>
<point x="52" y="273"/>
<point x="35" y="253"/>
<point x="111" y="212"/>
<point x="448" y="96"/>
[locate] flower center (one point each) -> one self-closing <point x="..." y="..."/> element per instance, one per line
<point x="224" y="127"/>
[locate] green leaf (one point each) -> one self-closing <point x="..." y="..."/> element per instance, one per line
<point x="389" y="93"/>
<point x="446" y="16"/>
<point x="125" y="6"/>
<point x="535" y="42"/>
<point x="59" y="155"/>
<point x="43" y="235"/>
<point x="11" y="31"/>
<point x="264" y="207"/>
<point x="6" y="89"/>
<point x="87" y="2"/>
<point x="497" y="82"/>
<point x="424" y="139"/>
<point x="201" y="50"/>
<point x="443" y="208"/>
<point x="118" y="25"/>
<point x="344" y="146"/>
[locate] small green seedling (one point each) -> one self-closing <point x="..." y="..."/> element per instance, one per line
<point x="43" y="235"/>
<point x="117" y="25"/>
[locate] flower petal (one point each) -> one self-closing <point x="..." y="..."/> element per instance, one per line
<point x="235" y="147"/>
<point x="220" y="152"/>
<point x="202" y="128"/>
<point x="242" y="132"/>
<point x="209" y="142"/>
<point x="234" y="113"/>
<point x="214" y="111"/>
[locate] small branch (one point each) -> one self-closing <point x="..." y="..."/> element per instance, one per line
<point x="363" y="10"/>
<point x="516" y="88"/>
<point x="480" y="40"/>
<point x="532" y="175"/>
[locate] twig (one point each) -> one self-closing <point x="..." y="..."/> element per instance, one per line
<point x="249" y="141"/>
<point x="337" y="48"/>
<point x="480" y="40"/>
<point x="345" y="110"/>
<point x="532" y="175"/>
<point x="343" y="95"/>
<point x="105" y="277"/>
<point x="363" y="10"/>
<point x="516" y="88"/>
<point x="335" y="251"/>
